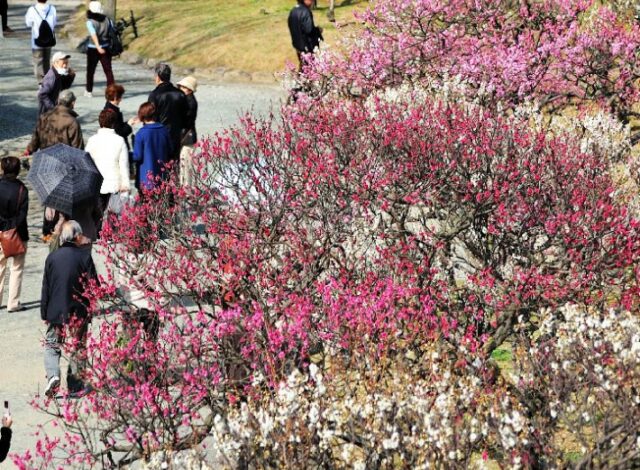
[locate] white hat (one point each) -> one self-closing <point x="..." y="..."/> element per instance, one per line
<point x="189" y="82"/>
<point x="96" y="7"/>
<point x="59" y="56"/>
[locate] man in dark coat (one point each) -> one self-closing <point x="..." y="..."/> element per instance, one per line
<point x="305" y="35"/>
<point x="59" y="77"/>
<point x="171" y="106"/>
<point x="65" y="271"/>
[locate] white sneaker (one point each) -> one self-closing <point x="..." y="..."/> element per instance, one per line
<point x="52" y="386"/>
<point x="88" y="94"/>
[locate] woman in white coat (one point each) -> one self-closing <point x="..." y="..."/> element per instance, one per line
<point x="109" y="152"/>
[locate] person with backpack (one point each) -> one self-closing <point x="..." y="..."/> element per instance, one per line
<point x="42" y="20"/>
<point x="99" y="47"/>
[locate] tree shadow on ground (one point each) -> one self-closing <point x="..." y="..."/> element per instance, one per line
<point x="16" y="119"/>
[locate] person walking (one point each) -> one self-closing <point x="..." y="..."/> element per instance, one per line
<point x="171" y="106"/>
<point x="188" y="86"/>
<point x="305" y="35"/>
<point x="59" y="77"/>
<point x="98" y="25"/>
<point x="58" y="126"/>
<point x="62" y="304"/>
<point x="109" y="152"/>
<point x="5" y="437"/>
<point x="152" y="148"/>
<point x="4" y="12"/>
<point x="41" y="54"/>
<point x="14" y="206"/>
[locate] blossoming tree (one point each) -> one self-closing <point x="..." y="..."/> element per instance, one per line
<point x="560" y="52"/>
<point x="333" y="288"/>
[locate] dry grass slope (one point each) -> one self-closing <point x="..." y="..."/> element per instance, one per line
<point x="247" y="35"/>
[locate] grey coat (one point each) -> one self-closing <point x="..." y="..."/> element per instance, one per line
<point x="52" y="84"/>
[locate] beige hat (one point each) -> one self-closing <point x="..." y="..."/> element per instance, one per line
<point x="189" y="82"/>
<point x="59" y="56"/>
<point x="96" y="7"/>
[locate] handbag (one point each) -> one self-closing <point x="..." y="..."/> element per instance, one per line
<point x="12" y="244"/>
<point x="118" y="202"/>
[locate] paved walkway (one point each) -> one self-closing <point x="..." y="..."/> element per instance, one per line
<point x="21" y="360"/>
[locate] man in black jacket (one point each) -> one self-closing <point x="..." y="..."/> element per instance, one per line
<point x="171" y="106"/>
<point x="305" y="35"/>
<point x="65" y="271"/>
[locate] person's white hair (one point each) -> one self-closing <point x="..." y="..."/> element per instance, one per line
<point x="70" y="230"/>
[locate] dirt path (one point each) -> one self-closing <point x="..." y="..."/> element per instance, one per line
<point x="21" y="359"/>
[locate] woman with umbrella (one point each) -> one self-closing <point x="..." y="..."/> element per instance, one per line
<point x="14" y="205"/>
<point x="67" y="180"/>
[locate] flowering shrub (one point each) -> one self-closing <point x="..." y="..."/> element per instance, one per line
<point x="425" y="412"/>
<point x="504" y="52"/>
<point x="583" y="373"/>
<point x="332" y="288"/>
<point x="361" y="232"/>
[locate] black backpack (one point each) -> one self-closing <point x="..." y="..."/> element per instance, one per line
<point x="46" y="37"/>
<point x="115" y="41"/>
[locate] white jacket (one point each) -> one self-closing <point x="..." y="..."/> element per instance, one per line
<point x="32" y="19"/>
<point x="109" y="152"/>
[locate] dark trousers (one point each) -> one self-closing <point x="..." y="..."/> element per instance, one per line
<point x="104" y="204"/>
<point x="93" y="57"/>
<point x="4" y="11"/>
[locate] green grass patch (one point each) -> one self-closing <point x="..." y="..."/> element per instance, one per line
<point x="502" y="355"/>
<point x="573" y="457"/>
